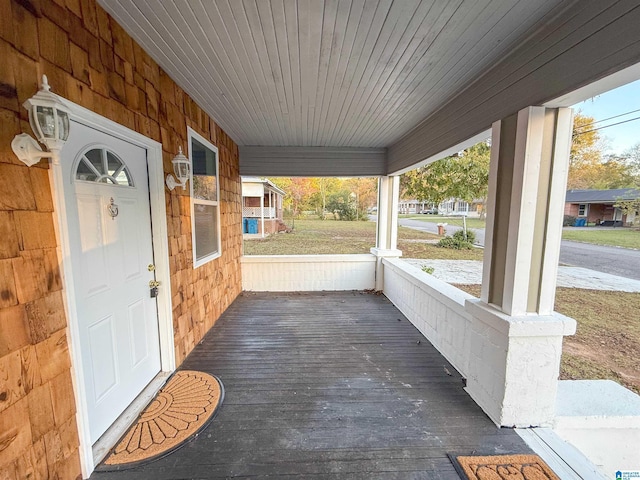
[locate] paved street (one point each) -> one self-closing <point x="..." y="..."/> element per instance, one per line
<point x="623" y="262"/>
<point x="614" y="260"/>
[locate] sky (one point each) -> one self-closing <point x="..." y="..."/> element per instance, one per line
<point x="616" y="102"/>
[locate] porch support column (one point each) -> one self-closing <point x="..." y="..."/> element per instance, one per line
<point x="262" y="213"/>
<point x="387" y="226"/>
<point x="516" y="337"/>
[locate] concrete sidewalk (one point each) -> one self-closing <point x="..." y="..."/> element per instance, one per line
<point x="470" y="272"/>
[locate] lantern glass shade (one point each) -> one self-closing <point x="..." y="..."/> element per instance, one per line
<point x="181" y="168"/>
<point x="49" y="119"/>
<point x="63" y="125"/>
<point x="46" y="121"/>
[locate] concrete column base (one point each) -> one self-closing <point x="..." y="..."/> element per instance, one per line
<point x="514" y="364"/>
<point x="381" y="253"/>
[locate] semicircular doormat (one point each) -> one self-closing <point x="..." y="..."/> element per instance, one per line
<point x="502" y="467"/>
<point x="181" y="409"/>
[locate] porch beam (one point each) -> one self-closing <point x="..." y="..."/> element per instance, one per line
<point x="605" y="33"/>
<point x="272" y="161"/>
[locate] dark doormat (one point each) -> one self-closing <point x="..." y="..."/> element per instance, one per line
<point x="502" y="467"/>
<point x="180" y="410"/>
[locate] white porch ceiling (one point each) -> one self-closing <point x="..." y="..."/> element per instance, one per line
<point x="340" y="87"/>
<point x="356" y="73"/>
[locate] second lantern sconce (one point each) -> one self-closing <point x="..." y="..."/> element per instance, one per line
<point x="181" y="170"/>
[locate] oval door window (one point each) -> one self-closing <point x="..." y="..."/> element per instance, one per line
<point x="102" y="166"/>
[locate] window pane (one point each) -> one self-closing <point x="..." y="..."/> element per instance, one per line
<point x="85" y="173"/>
<point x="205" y="173"/>
<point x="113" y="163"/>
<point x="206" y="230"/>
<point x="95" y="157"/>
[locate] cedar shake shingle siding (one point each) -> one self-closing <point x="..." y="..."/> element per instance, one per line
<point x="90" y="60"/>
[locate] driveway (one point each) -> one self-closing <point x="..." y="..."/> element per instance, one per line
<point x="623" y="262"/>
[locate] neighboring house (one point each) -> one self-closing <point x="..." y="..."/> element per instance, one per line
<point x="448" y="207"/>
<point x="598" y="206"/>
<point x="261" y="207"/>
<point x="455" y="206"/>
<point x="413" y="206"/>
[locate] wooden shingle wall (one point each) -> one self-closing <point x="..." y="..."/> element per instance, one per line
<point x="90" y="60"/>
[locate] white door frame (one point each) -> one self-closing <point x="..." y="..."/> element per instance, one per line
<point x="161" y="257"/>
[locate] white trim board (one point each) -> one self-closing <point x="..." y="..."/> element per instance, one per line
<point x="191" y="135"/>
<point x="161" y="260"/>
<point x="104" y="444"/>
<point x="564" y="459"/>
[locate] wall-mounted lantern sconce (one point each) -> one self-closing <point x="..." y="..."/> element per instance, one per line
<point x="181" y="170"/>
<point x="49" y="120"/>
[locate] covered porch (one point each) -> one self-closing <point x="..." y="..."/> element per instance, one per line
<point x="328" y="385"/>
<point x="274" y="88"/>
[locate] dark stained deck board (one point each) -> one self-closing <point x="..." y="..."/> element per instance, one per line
<point x="327" y="385"/>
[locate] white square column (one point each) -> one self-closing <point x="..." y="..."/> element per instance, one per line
<point x="387" y="226"/>
<point x="516" y="336"/>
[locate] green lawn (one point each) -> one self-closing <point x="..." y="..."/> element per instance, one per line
<point x="338" y="237"/>
<point x="617" y="237"/>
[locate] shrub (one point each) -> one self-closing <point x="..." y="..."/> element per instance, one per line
<point x="568" y="221"/>
<point x="459" y="236"/>
<point x="457" y="241"/>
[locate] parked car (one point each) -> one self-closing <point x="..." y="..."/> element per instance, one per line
<point x="430" y="211"/>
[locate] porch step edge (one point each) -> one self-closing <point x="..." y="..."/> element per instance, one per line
<point x="565" y="460"/>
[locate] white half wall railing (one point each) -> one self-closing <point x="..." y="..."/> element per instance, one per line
<point x="308" y="273"/>
<point x="504" y="358"/>
<point x="433" y="307"/>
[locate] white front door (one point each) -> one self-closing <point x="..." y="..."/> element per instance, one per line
<point x="106" y="195"/>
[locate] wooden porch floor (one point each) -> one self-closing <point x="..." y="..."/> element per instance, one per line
<point x="328" y="385"/>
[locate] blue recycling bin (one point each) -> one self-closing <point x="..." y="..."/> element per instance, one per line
<point x="252" y="225"/>
<point x="580" y="222"/>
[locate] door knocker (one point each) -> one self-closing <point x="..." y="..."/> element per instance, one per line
<point x="113" y="209"/>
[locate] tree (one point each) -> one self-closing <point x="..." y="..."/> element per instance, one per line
<point x="589" y="167"/>
<point x="464" y="176"/>
<point x="632" y="159"/>
<point x="342" y="204"/>
<point x="323" y="186"/>
<point x="321" y="194"/>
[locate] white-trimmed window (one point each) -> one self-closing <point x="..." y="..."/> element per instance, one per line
<point x="205" y="199"/>
<point x="582" y="210"/>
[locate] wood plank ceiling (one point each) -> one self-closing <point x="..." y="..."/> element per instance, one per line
<point x="327" y="73"/>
